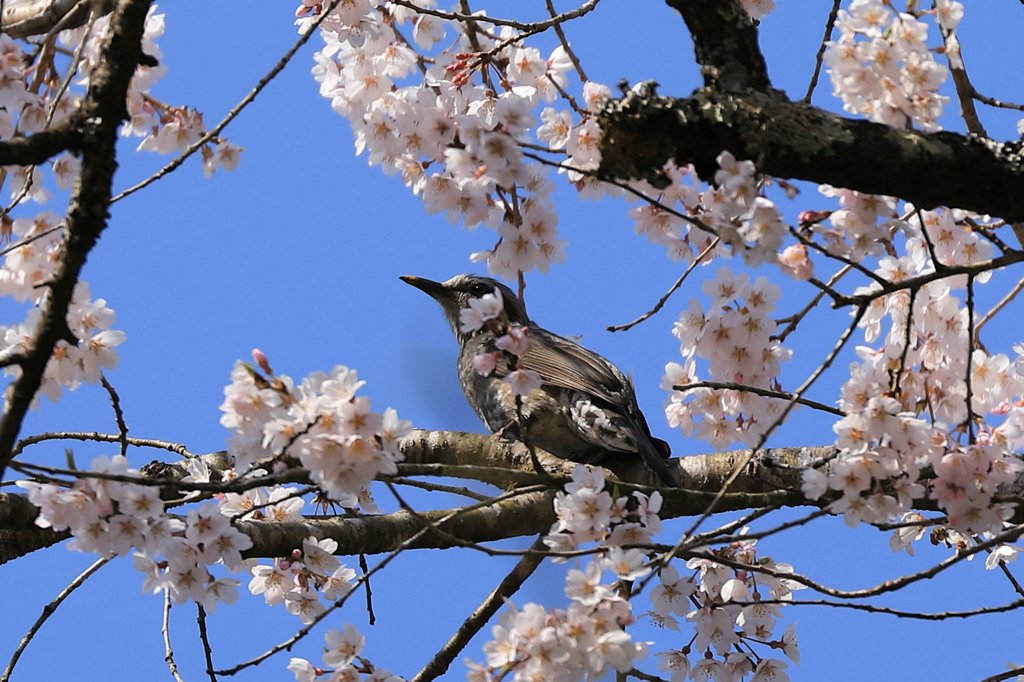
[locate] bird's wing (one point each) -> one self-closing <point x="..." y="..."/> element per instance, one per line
<point x="567" y="364"/>
<point x="564" y="363"/>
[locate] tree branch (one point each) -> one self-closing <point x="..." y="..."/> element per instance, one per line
<point x="34" y="150"/>
<point x="438" y="665"/>
<point x="795" y="140"/>
<point x="772" y="477"/>
<point x="41" y="16"/>
<point x="102" y="113"/>
<point x="725" y="40"/>
<point x="48" y="611"/>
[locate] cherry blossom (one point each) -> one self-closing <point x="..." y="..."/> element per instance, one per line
<point x="321" y="421"/>
<point x="881" y="66"/>
<point x="459" y="123"/>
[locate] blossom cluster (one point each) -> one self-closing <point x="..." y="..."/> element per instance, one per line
<point x="163" y="128"/>
<point x="451" y="119"/>
<point x="340" y="656"/>
<point x="589" y="635"/>
<point x="439" y="119"/>
<point x="300" y="581"/>
<point x="734" y="210"/>
<point x="511" y="343"/>
<point x="89" y="321"/>
<point x="557" y="644"/>
<point x="113" y="517"/>
<point x="321" y="421"/>
<point x="906" y="402"/>
<point x="111" y="510"/>
<point x="736" y="337"/>
<point x="864" y="225"/>
<point x="915" y="526"/>
<point x="24" y="110"/>
<point x="448" y="130"/>
<point x="588" y="513"/>
<point x="881" y="65"/>
<point x="724" y="604"/>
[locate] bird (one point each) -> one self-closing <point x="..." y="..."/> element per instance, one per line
<point x="585" y="408"/>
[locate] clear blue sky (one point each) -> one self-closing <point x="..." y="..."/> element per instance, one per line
<point x="298" y="252"/>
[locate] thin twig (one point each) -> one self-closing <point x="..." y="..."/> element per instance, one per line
<point x="198" y="144"/>
<point x="964" y="89"/>
<point x="435" y="526"/>
<point x="737" y="524"/>
<point x="76" y="59"/>
<point x="796" y="319"/>
<point x="531" y="28"/>
<point x="993" y="102"/>
<point x="237" y="485"/>
<point x="176" y="448"/>
<point x="364" y="567"/>
<point x="664" y="299"/>
<point x="803" y="520"/>
<point x="509" y="585"/>
<point x="641" y="675"/>
<point x="1012" y="672"/>
<point x="941" y="615"/>
<point x="48" y="611"/>
<point x="436" y="487"/>
<point x="565" y="42"/>
<point x="482" y="59"/>
<point x="1009" y="576"/>
<point x="115" y="402"/>
<point x="886" y="586"/>
<point x="165" y="629"/>
<point x="731" y="386"/>
<point x="968" y="378"/>
<point x="834" y="256"/>
<point x="580" y="111"/>
<point x="894" y="385"/>
<point x="996" y="308"/>
<point x="969" y="269"/>
<point x="205" y="639"/>
<point x="22" y="193"/>
<point x="696" y="222"/>
<point x="928" y="241"/>
<point x="25" y="241"/>
<point x="819" y="58"/>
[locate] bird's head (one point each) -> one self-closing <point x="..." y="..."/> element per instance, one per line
<point x="454" y="295"/>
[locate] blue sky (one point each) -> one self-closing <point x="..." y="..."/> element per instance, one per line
<point x="298" y="252"/>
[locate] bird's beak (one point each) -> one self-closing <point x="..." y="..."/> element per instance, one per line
<point x="434" y="289"/>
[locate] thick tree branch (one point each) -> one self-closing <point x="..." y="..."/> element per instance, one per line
<point x="36" y="149"/>
<point x="43" y="16"/>
<point x="772" y="477"/>
<point x="19" y="535"/>
<point x="101" y="115"/>
<point x="527" y="514"/>
<point x="795" y="140"/>
<point x="725" y="40"/>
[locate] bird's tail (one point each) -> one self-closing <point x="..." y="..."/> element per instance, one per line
<point x="655" y="460"/>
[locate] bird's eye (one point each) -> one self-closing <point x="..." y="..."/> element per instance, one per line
<point x="479" y="289"/>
